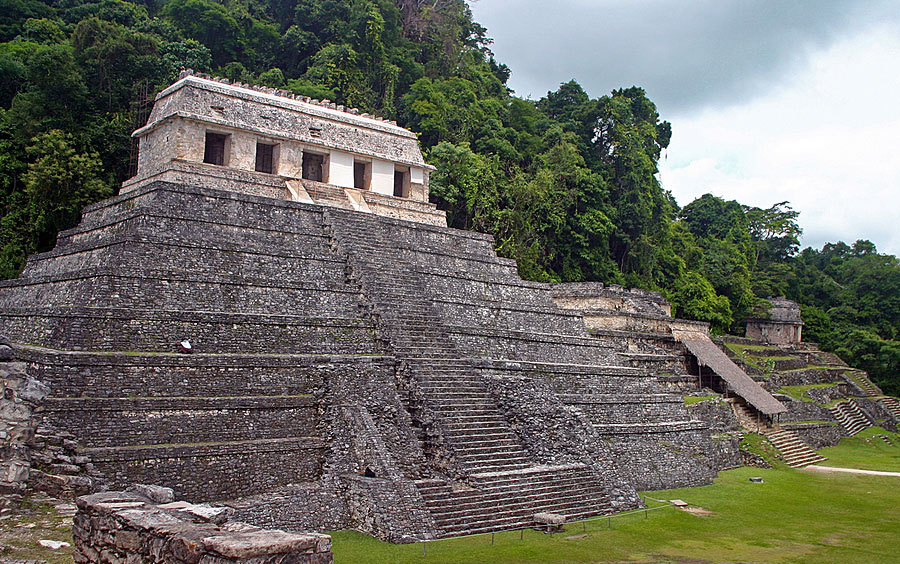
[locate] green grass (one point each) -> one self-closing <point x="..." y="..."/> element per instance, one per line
<point x="739" y="349"/>
<point x="799" y="392"/>
<point x="689" y="400"/>
<point x="866" y="452"/>
<point x="21" y="529"/>
<point x="757" y="444"/>
<point x="794" y="516"/>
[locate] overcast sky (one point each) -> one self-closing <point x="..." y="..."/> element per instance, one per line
<point x="769" y="101"/>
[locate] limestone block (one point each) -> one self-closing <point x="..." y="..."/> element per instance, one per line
<point x="254" y="544"/>
<point x="33" y="391"/>
<point x="16" y="471"/>
<point x="157" y="494"/>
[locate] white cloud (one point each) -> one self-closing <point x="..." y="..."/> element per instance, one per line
<point x="827" y="139"/>
<point x="769" y="100"/>
<point x="685" y="53"/>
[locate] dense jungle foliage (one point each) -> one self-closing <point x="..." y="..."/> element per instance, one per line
<point x="567" y="184"/>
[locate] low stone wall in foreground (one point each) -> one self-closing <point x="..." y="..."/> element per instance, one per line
<point x="145" y="524"/>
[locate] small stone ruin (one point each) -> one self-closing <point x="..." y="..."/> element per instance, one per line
<point x="779" y="324"/>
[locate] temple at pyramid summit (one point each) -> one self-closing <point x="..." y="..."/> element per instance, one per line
<point x="352" y="362"/>
<point x="261" y="143"/>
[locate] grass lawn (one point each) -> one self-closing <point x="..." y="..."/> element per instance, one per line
<point x="794" y="516"/>
<point x="866" y="452"/>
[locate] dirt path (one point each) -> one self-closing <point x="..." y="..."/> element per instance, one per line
<point x="817" y="468"/>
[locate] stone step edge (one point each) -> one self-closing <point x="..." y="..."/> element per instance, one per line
<point x="196" y="450"/>
<point x="165" y="403"/>
<point x="198" y="358"/>
<point x="219" y="317"/>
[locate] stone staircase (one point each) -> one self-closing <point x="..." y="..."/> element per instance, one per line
<point x="795" y="452"/>
<point x="891" y="404"/>
<point x="469" y="416"/>
<point x="747" y="416"/>
<point x="499" y="486"/>
<point x="851" y="418"/>
<point x="862" y="380"/>
<point x="327" y="194"/>
<point x="503" y="500"/>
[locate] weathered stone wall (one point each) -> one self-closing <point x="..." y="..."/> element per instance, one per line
<point x="215" y="471"/>
<point x="20" y="396"/>
<point x="817" y="435"/>
<point x="780" y="324"/>
<point x="800" y="411"/>
<point x="122" y="330"/>
<point x="660" y="460"/>
<point x="117" y="283"/>
<point x="877" y="413"/>
<point x="391" y="509"/>
<point x="416" y="209"/>
<point x="124" y="375"/>
<point x="129" y="421"/>
<point x="317" y="506"/>
<point x="34" y="455"/>
<point x="146" y="525"/>
<point x="807" y="377"/>
<point x="717" y="413"/>
<point x="594" y="295"/>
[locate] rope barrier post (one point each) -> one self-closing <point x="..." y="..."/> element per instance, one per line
<point x="522" y="534"/>
<point x="584" y="526"/>
<point x="492" y="539"/>
<point x="609" y="522"/>
<point x="424" y="548"/>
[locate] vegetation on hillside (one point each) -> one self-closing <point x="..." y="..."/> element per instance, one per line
<point x="567" y="184"/>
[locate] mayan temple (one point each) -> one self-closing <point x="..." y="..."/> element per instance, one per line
<point x="272" y="315"/>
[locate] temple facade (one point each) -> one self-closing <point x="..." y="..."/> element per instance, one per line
<point x="779" y="325"/>
<point x="267" y="142"/>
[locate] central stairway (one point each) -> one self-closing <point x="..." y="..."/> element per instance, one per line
<point x="487" y="481"/>
<point x="470" y="417"/>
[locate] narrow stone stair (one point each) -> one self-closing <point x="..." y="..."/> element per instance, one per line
<point x="862" y="380"/>
<point x="479" y="435"/>
<point x="891" y="404"/>
<point x="747" y="416"/>
<point x="795" y="452"/>
<point x="851" y="418"/>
